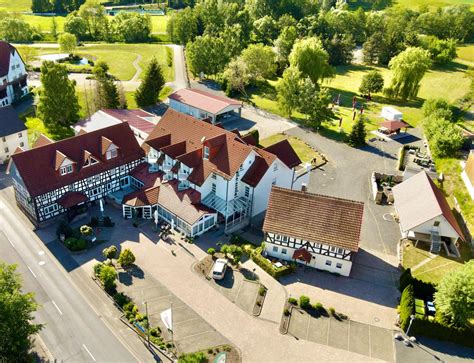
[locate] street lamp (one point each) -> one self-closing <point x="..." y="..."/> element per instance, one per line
<point x="147" y="323"/>
<point x="412" y="317"/>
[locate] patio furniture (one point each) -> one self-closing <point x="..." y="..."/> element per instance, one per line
<point x="278" y="265"/>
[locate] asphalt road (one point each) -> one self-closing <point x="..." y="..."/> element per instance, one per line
<point x="73" y="330"/>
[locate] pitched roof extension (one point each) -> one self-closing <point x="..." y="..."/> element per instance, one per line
<point x="316" y="218"/>
<point x="6" y="50"/>
<point x="202" y="100"/>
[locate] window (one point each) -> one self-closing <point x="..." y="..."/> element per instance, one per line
<point x="338" y="265"/>
<point x="275" y="249"/>
<point x="332" y="249"/>
<point x="111" y="154"/>
<point x="283" y="251"/>
<point x="6" y="149"/>
<point x="66" y="169"/>
<point x="284" y="238"/>
<point x="436" y="223"/>
<point x="247" y="192"/>
<point x="275" y="167"/>
<point x="22" y="144"/>
<point x="214" y="176"/>
<point x="328" y="263"/>
<point x="206" y="152"/>
<point x="214" y="188"/>
<point x="274" y="181"/>
<point x="340" y="251"/>
<point x="20" y="135"/>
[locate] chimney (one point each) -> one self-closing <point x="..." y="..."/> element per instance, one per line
<point x="304" y="188"/>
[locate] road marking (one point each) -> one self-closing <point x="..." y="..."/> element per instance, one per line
<point x="41" y="263"/>
<point x="10" y="242"/>
<point x="41" y="253"/>
<point x="88" y="351"/>
<point x="57" y="307"/>
<point x="31" y="271"/>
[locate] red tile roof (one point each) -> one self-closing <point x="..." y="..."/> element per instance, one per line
<point x="70" y="199"/>
<point x="6" y="49"/>
<point x="259" y="168"/>
<point x="285" y="152"/>
<point x="41" y="141"/>
<point x="136" y="118"/>
<point x="202" y="100"/>
<point x="142" y="197"/>
<point x="148" y="179"/>
<point x="315" y="218"/>
<point x="419" y="200"/>
<point x="302" y="254"/>
<point x="37" y="166"/>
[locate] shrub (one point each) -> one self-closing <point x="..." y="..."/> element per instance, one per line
<point x="110" y="252"/>
<point x="293" y="301"/>
<point x="267" y="266"/>
<point x="286" y="312"/>
<point x="129" y="306"/>
<point x="261" y="291"/>
<point x="121" y="299"/>
<point x="436" y="330"/>
<point x="154" y="332"/>
<point x="401" y="159"/>
<point x="332" y="311"/>
<point x="211" y="251"/>
<point x="305" y="302"/>
<point x="108" y="277"/>
<point x="318" y="306"/>
<point x="75" y="244"/>
<point x="86" y="230"/>
<point x="407" y="306"/>
<point x="199" y="357"/>
<point x="97" y="268"/>
<point x="126" y="258"/>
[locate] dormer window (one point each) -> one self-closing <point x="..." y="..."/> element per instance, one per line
<point x="111" y="154"/>
<point x="206" y="153"/>
<point x="66" y="169"/>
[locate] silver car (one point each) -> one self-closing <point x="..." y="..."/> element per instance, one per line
<point x="220" y="267"/>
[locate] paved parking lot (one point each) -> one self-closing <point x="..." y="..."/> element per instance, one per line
<point x="349" y="335"/>
<point x="191" y="332"/>
<point x="237" y="288"/>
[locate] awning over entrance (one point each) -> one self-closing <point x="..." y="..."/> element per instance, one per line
<point x="70" y="199"/>
<point x="226" y="209"/>
<point x="302" y="254"/>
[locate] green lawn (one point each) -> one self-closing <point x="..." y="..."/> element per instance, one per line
<point x="466" y="54"/>
<point x="412" y="255"/>
<point x="120" y="57"/>
<point x="15" y="5"/>
<point x="159" y="23"/>
<point x="45" y="23"/>
<point x="304" y="151"/>
<point x="36" y="127"/>
<point x="411" y="4"/>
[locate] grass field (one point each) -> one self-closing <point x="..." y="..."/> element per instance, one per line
<point x="120" y="57"/>
<point x="410" y="4"/>
<point x="15" y="5"/>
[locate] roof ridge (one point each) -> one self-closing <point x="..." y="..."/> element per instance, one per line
<point x="300" y="192"/>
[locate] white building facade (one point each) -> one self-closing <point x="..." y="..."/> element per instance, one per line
<point x="13" y="133"/>
<point x="13" y="75"/>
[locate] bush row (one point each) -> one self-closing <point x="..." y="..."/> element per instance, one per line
<point x="407" y="306"/>
<point x="422" y="290"/>
<point x="436" y="330"/>
<point x="267" y="266"/>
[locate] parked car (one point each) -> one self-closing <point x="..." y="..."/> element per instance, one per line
<point x="219" y="269"/>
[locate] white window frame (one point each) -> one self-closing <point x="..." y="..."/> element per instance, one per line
<point x="275" y="249"/>
<point x="338" y="265"/>
<point x="328" y="263"/>
<point x="112" y="153"/>
<point x="67" y="169"/>
<point x="206" y="152"/>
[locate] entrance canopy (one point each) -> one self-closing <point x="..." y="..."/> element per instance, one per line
<point x="302" y="254"/>
<point x="393" y="126"/>
<point x="71" y="199"/>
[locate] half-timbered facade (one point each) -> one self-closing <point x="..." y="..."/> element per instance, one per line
<point x="318" y="231"/>
<point x="232" y="176"/>
<point x="65" y="176"/>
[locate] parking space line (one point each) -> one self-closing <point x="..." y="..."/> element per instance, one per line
<point x="238" y="292"/>
<point x="329" y="327"/>
<point x="88" y="351"/>
<point x="307" y="327"/>
<point x="370" y="346"/>
<point x="185" y="321"/>
<point x="29" y="268"/>
<point x="57" y="307"/>
<point x="349" y="335"/>
<point x="195" y="335"/>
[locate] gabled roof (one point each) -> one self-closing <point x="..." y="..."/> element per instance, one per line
<point x="70" y="199"/>
<point x="285" y="152"/>
<point x="41" y="141"/>
<point x="258" y="169"/>
<point x="419" y="200"/>
<point x="315" y="218"/>
<point x="6" y="50"/>
<point x="136" y="118"/>
<point x="37" y="166"/>
<point x="202" y="100"/>
<point x="142" y="197"/>
<point x="10" y="122"/>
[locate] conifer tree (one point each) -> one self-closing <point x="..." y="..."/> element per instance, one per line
<point x="149" y="90"/>
<point x="358" y="133"/>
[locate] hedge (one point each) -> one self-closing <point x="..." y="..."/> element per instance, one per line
<point x="436" y="330"/>
<point x="407" y="306"/>
<point x="267" y="266"/>
<point x="423" y="290"/>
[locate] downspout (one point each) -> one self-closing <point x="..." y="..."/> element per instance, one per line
<point x="251" y="208"/>
<point x="226" y="204"/>
<point x="292" y="179"/>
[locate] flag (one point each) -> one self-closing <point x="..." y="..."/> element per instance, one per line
<point x="167" y="319"/>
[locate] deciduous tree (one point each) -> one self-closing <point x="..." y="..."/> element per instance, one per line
<point x="237" y="75"/>
<point x="314" y="102"/>
<point x="371" y="82"/>
<point x="289" y="90"/>
<point x="126" y="258"/>
<point x="408" y="68"/>
<point x="260" y="60"/>
<point x="67" y="43"/>
<point x="16" y="312"/>
<point x="454" y="299"/>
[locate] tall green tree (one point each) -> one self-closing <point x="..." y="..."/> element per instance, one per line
<point x="76" y="25"/>
<point x="16" y="312"/>
<point x="289" y="90"/>
<point x="237" y="76"/>
<point x="182" y="26"/>
<point x="132" y="27"/>
<point x="312" y="60"/>
<point x="107" y="95"/>
<point x="54" y="28"/>
<point x="455" y="296"/>
<point x="314" y="102"/>
<point x="408" y="68"/>
<point x="41" y="6"/>
<point x="371" y="82"/>
<point x="58" y="105"/>
<point x="260" y="60"/>
<point x="284" y="44"/>
<point x="93" y="13"/>
<point x="67" y="43"/>
<point x="206" y="54"/>
<point x="149" y="90"/>
<point x="358" y="133"/>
